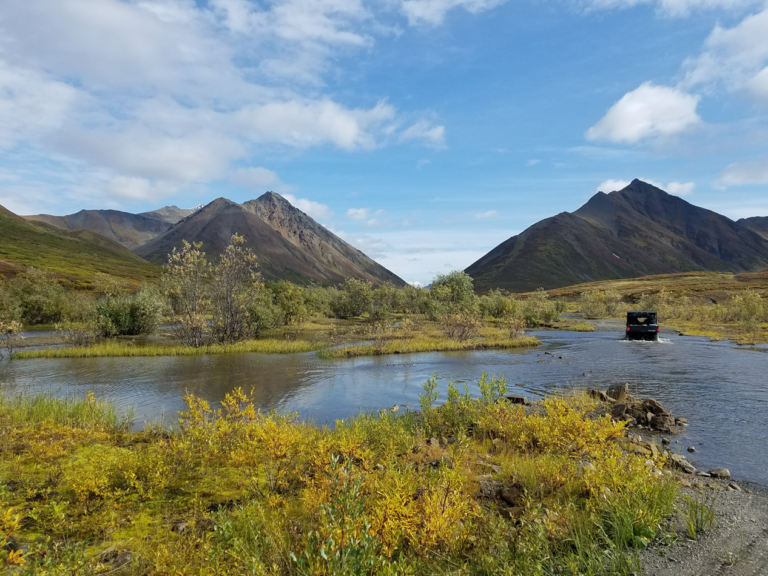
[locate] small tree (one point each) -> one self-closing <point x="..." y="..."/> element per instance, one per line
<point x="290" y="298"/>
<point x="233" y="291"/>
<point x="10" y="336"/>
<point x="185" y="282"/>
<point x="353" y="300"/>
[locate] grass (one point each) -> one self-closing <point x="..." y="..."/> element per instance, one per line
<point x="235" y="491"/>
<point x="427" y="343"/>
<point x="73" y="254"/>
<point x="126" y="349"/>
<point x="698" y="516"/>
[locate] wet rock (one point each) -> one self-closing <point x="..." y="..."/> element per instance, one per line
<point x="722" y="473"/>
<point x="665" y="441"/>
<point x="681" y="421"/>
<point x="691" y="449"/>
<point x="515" y="399"/>
<point x="663" y="422"/>
<point x="734" y="486"/>
<point x="680" y="462"/>
<point x="651" y="405"/>
<point x="618" y="392"/>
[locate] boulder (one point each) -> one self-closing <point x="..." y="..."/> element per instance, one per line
<point x="600" y="395"/>
<point x="662" y="422"/>
<point x="722" y="473"/>
<point x="618" y="392"/>
<point x="619" y="411"/>
<point x="691" y="449"/>
<point x="511" y="494"/>
<point x="680" y="462"/>
<point x="515" y="399"/>
<point x="651" y="405"/>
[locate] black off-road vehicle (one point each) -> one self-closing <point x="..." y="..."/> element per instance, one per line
<point x="642" y="325"/>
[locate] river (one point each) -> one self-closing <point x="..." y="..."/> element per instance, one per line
<point x="722" y="389"/>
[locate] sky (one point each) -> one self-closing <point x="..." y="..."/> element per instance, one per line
<point x="423" y="132"/>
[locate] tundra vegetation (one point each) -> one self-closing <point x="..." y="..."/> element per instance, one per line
<point x="472" y="485"/>
<point x="226" y="307"/>
<point x="717" y="305"/>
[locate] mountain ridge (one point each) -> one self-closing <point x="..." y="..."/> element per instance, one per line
<point x="637" y="231"/>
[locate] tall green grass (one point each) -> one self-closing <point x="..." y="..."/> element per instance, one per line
<point x="86" y="412"/>
<point x="427" y="344"/>
<point x="127" y="349"/>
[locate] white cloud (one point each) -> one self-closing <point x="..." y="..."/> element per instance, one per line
<point x="680" y="188"/>
<point x="315" y="209"/>
<point x="675" y="188"/>
<point x="484" y="215"/>
<point x="144" y="97"/>
<point x="358" y="213"/>
<point x="612" y="185"/>
<point x="425" y="132"/>
<point x="433" y="12"/>
<point x="649" y="111"/>
<point x="676" y="7"/>
<point x="735" y="57"/>
<point x="254" y="177"/>
<point x="744" y="173"/>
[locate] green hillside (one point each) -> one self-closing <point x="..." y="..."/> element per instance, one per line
<point x="74" y="254"/>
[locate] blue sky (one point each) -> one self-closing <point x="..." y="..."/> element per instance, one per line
<point x="424" y="132"/>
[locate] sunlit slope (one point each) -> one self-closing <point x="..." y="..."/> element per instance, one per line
<point x="75" y="254"/>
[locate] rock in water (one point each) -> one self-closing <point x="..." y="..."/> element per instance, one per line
<point x="722" y="473"/>
<point x="682" y="463"/>
<point x="618" y="392"/>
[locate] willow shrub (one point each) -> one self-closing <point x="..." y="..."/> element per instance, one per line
<point x="236" y="491"/>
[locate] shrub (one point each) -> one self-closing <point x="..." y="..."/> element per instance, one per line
<point x="185" y="283"/>
<point x="264" y="314"/>
<point x="461" y="325"/>
<point x="10" y="336"/>
<point x="38" y="298"/>
<point x="129" y="314"/>
<point x="290" y="299"/>
<point x="600" y="303"/>
<point x="353" y="300"/>
<point x="538" y="308"/>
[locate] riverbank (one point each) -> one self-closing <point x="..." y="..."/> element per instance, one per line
<point x="532" y="489"/>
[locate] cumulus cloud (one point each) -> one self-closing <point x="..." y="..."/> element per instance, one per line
<point x="734" y="57"/>
<point x="649" y="111"/>
<point x="423" y="131"/>
<point x="675" y="8"/>
<point x="315" y="209"/>
<point x="155" y="96"/>
<point x="433" y="12"/>
<point x="744" y="173"/>
<point x="358" y="213"/>
<point x="675" y="188"/>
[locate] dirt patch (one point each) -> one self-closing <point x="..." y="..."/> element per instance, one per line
<point x="737" y="544"/>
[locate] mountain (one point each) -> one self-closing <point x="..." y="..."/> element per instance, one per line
<point x="73" y="254"/>
<point x="171" y="214"/>
<point x="130" y="230"/>
<point x="289" y="244"/>
<point x="638" y="231"/>
<point x="758" y="224"/>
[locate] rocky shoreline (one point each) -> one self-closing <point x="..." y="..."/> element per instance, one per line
<point x="737" y="542"/>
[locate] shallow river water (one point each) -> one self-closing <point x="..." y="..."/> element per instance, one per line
<point x="720" y="388"/>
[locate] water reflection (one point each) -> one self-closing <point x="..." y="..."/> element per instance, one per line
<point x="720" y="388"/>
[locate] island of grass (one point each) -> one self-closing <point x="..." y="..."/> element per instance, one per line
<point x="475" y="486"/>
<point x="127" y="349"/>
<point x="430" y="343"/>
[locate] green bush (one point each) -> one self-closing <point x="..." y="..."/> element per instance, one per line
<point x="353" y="300"/>
<point x="600" y="303"/>
<point x="36" y="297"/>
<point x="129" y="314"/>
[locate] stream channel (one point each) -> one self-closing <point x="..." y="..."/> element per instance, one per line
<point x="721" y="388"/>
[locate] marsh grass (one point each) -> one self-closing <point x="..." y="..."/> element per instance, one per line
<point x="698" y="516"/>
<point x="119" y="349"/>
<point x="428" y="344"/>
<point x="232" y="490"/>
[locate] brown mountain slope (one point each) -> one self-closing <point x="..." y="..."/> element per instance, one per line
<point x="130" y="230"/>
<point x="292" y="250"/>
<point x="758" y="224"/>
<point x="638" y="231"/>
<point x="316" y="241"/>
<point x="73" y="254"/>
<point x="170" y="214"/>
